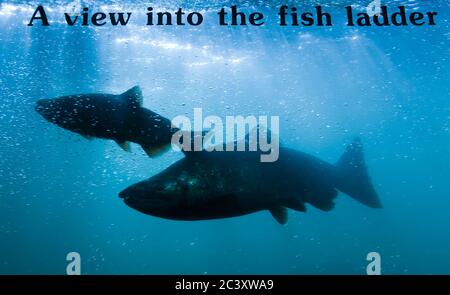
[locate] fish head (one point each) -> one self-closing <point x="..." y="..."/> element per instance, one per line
<point x="169" y="195"/>
<point x="73" y="112"/>
<point x="61" y="111"/>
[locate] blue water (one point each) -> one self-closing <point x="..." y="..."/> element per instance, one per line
<point x="390" y="86"/>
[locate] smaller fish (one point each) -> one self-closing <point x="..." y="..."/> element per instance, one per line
<point x="118" y="117"/>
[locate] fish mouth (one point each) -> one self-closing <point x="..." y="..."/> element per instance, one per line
<point x="41" y="106"/>
<point x="44" y="107"/>
<point x="142" y="191"/>
<point x="137" y="201"/>
<point x="123" y="195"/>
<point x="126" y="195"/>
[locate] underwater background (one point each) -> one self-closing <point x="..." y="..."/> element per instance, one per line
<point x="388" y="85"/>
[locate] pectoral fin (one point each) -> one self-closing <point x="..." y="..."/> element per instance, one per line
<point x="156" y="150"/>
<point x="280" y="214"/>
<point x="125" y="145"/>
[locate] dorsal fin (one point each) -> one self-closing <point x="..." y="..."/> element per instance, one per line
<point x="133" y="96"/>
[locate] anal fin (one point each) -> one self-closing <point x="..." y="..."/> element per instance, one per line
<point x="280" y="214"/>
<point x="125" y="145"/>
<point x="323" y="198"/>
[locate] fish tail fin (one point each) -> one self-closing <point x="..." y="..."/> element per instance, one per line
<point x="354" y="177"/>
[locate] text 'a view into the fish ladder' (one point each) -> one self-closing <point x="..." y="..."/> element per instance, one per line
<point x="380" y="16"/>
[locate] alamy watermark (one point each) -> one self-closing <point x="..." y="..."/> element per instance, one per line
<point x="74" y="265"/>
<point x="236" y="133"/>
<point x="374" y="8"/>
<point x="374" y="266"/>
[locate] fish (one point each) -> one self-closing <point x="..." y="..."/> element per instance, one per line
<point x="215" y="184"/>
<point x="121" y="118"/>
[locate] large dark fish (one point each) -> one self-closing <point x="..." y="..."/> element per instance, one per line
<point x="118" y="117"/>
<point x="209" y="185"/>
